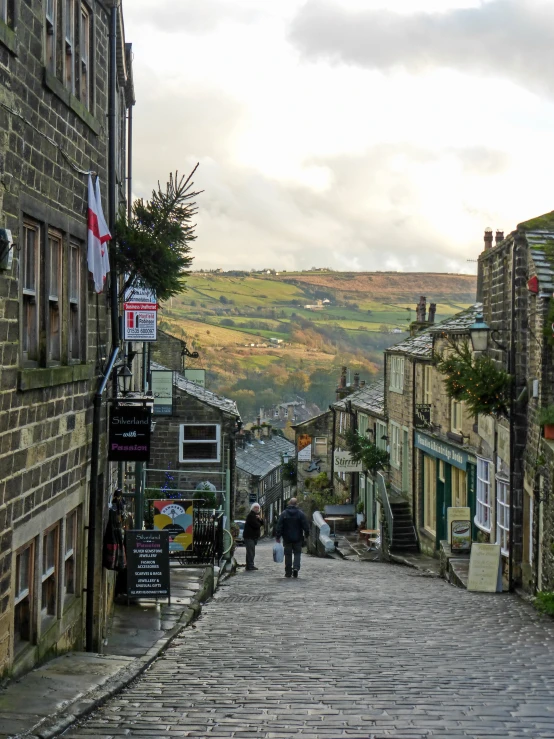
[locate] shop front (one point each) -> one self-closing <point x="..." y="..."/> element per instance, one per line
<point x="447" y="480"/>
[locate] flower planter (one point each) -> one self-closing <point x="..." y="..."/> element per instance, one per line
<point x="549" y="431"/>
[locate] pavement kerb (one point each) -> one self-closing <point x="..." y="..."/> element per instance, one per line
<point x="56" y="725"/>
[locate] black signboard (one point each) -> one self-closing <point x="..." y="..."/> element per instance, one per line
<point x="422" y="416"/>
<point x="147" y="564"/>
<point x="129" y="437"/>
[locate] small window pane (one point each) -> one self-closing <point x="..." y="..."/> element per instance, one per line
<point x="200" y="433"/>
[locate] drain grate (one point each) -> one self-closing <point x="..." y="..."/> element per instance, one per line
<point x="243" y="598"/>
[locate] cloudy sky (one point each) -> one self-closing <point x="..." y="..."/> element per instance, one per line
<point x="351" y="134"/>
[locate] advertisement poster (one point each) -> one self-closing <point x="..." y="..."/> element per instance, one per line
<point x="460" y="536"/>
<point x="162" y="389"/>
<point x="129" y="434"/>
<point x="304" y="448"/>
<point x="456" y="513"/>
<point x="147" y="564"/>
<point x="176" y="517"/>
<point x="140" y="321"/>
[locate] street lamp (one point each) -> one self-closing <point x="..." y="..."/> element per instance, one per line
<point x="124" y="377"/>
<point x="479" y="334"/>
<point x="286" y="457"/>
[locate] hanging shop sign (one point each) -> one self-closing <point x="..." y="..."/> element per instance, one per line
<point x="422" y="415"/>
<point x="147" y="564"/>
<point x="198" y="376"/>
<point x="344" y="463"/>
<point x="161" y="382"/>
<point x="140" y="295"/>
<point x="140" y="321"/>
<point x="440" y="450"/>
<point x="460" y="536"/>
<point x="129" y="434"/>
<point x="176" y="518"/>
<point x="304" y="448"/>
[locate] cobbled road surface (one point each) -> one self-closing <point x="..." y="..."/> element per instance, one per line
<point x="350" y="649"/>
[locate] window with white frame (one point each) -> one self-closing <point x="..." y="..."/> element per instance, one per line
<point x="427" y="384"/>
<point x="6" y="12"/>
<point x="380" y="432"/>
<point x="54" y="292"/>
<point x="31" y="294"/>
<point x="396" y="366"/>
<point x="51" y="35"/>
<point x="395" y="445"/>
<point x="483" y="506"/>
<point x="23" y="597"/>
<point x="69" y="35"/>
<point x="200" y="442"/>
<point x="503" y="514"/>
<point x="320" y="446"/>
<point x="456" y="416"/>
<point x="84" y="54"/>
<point x="49" y="578"/>
<point x="70" y="553"/>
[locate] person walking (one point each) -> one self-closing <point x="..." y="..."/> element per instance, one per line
<point x="292" y="525"/>
<point x="251" y="534"/>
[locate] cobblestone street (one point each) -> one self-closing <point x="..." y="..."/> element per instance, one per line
<point x="350" y="649"/>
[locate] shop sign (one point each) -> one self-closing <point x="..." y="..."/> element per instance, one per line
<point x="422" y="415"/>
<point x="344" y="463"/>
<point x="140" y="321"/>
<point x="304" y="448"/>
<point x="485" y="568"/>
<point x="140" y="295"/>
<point x="460" y="536"/>
<point x="198" y="376"/>
<point x="147" y="564"/>
<point x="456" y="514"/>
<point x="441" y="450"/>
<point x="162" y="390"/>
<point x="129" y="434"/>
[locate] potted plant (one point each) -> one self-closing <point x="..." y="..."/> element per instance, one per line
<point x="360" y="515"/>
<point x="546" y="420"/>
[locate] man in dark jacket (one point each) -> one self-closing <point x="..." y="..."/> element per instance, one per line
<point x="251" y="534"/>
<point x="292" y="525"/>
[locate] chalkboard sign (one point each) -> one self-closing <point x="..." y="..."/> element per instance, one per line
<point x="147" y="564"/>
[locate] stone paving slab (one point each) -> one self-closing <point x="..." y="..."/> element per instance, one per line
<point x="350" y="649"/>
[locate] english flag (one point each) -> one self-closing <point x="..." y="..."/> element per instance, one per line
<point x="98" y="236"/>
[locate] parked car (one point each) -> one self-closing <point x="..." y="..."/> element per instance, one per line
<point x="239" y="539"/>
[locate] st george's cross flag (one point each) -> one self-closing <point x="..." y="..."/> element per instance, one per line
<point x="98" y="236"/>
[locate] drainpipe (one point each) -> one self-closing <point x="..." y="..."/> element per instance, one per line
<point x="93" y="500"/>
<point x="333" y="446"/>
<point x="112" y="163"/>
<point x="414" y="477"/>
<point x="512" y="370"/>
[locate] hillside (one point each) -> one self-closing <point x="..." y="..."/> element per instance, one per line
<point x="266" y="337"/>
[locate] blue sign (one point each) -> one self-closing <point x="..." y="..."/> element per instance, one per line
<point x="439" y="449"/>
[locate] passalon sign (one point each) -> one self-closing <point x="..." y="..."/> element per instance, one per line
<point x="129" y="434"/>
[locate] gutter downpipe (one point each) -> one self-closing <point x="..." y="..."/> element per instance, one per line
<point x="112" y="158"/>
<point x="414" y="474"/>
<point x="93" y="498"/>
<point x="333" y="446"/>
<point x="512" y="370"/>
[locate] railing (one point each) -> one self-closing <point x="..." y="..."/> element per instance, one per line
<point x="207" y="543"/>
<point x="384" y="498"/>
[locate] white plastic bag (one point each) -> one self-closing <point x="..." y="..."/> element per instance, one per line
<point x="278" y="552"/>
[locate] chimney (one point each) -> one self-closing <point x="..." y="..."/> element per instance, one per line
<point x="421" y="309"/>
<point x="499" y="237"/>
<point x="343" y="377"/>
<point x="432" y="311"/>
<point x="488" y="238"/>
<point x="290" y="409"/>
<point x="356" y="380"/>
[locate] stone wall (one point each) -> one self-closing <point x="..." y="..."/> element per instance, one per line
<point x="319" y="426"/>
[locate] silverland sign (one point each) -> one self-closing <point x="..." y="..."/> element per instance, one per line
<point x="129" y="434"/>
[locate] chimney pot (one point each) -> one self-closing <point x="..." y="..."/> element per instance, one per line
<point x="432" y="311"/>
<point x="356" y="380"/>
<point x="488" y="238"/>
<point x="343" y="377"/>
<point x="499" y="237"/>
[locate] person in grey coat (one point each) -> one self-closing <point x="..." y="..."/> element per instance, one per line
<point x="252" y="533"/>
<point x="291" y="526"/>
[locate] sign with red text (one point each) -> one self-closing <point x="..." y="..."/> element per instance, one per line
<point x="140" y="321"/>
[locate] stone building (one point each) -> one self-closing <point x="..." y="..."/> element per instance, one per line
<point x="259" y="465"/>
<point x="54" y="100"/>
<point x="314" y="449"/>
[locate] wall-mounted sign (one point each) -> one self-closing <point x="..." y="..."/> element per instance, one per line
<point x="344" y="463"/>
<point x="140" y="321"/>
<point x="304" y="448"/>
<point x="459" y="513"/>
<point x="485" y="568"/>
<point x="440" y="450"/>
<point x="129" y="434"/>
<point x="460" y="536"/>
<point x="176" y="518"/>
<point x="422" y="415"/>
<point x="147" y="564"/>
<point x="140" y="295"/>
<point x="198" y="376"/>
<point x="162" y="389"/>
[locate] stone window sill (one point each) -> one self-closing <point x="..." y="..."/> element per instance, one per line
<point x="55" y="86"/>
<point x="31" y="379"/>
<point x="8" y="38"/>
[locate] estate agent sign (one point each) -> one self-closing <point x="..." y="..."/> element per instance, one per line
<point x="129" y="434"/>
<point x="140" y="321"/>
<point x="147" y="564"/>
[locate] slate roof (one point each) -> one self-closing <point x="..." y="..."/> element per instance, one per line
<point x="539" y="233"/>
<point x="419" y="345"/>
<point x="460" y="322"/>
<point x="260" y="457"/>
<point x="370" y="398"/>
<point x="204" y="396"/>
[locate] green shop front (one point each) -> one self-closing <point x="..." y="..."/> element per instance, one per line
<point x="447" y="475"/>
